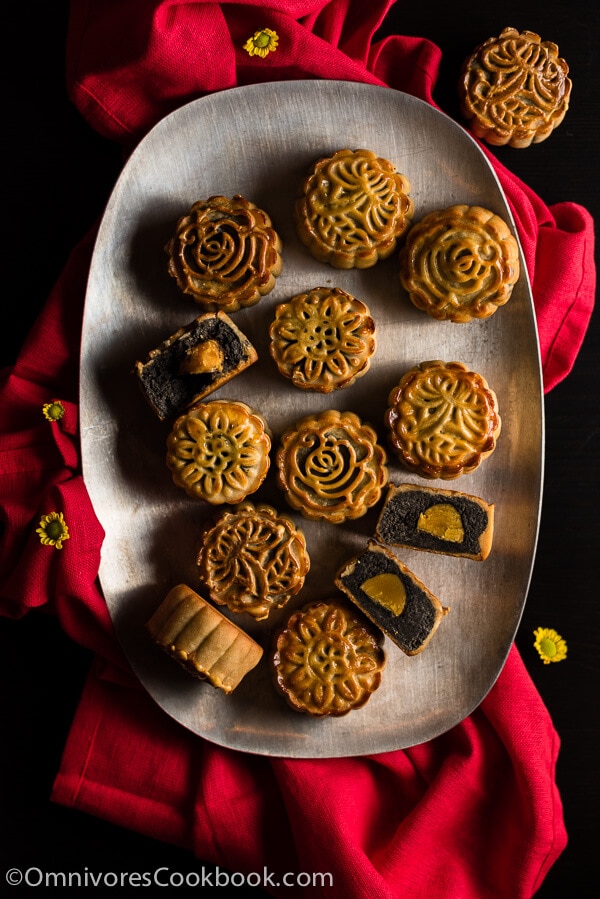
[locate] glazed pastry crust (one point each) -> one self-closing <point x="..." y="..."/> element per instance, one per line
<point x="328" y="659"/>
<point x="225" y="253"/>
<point x="331" y="467"/>
<point x="442" y="419"/>
<point x="352" y="208"/>
<point x="514" y="89"/>
<point x="460" y="263"/>
<point x="253" y="559"/>
<point x="202" y="640"/>
<point x="219" y="451"/>
<point x="322" y="340"/>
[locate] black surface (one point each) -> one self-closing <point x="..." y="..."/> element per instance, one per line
<point x="57" y="177"/>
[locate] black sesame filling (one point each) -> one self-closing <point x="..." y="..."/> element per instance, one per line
<point x="409" y="629"/>
<point x="168" y="389"/>
<point x="399" y="519"/>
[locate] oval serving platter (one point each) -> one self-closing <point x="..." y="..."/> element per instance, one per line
<point x="258" y="141"/>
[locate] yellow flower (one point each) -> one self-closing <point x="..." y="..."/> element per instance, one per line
<point x="262" y="42"/>
<point x="550" y="645"/>
<point x="53" y="530"/>
<point x="53" y="411"/>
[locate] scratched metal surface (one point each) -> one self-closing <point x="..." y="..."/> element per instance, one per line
<point x="258" y="141"/>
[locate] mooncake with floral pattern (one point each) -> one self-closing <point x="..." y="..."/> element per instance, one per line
<point x="219" y="451"/>
<point x="460" y="263"/>
<point x="514" y="89"/>
<point x="442" y="419"/>
<point x="352" y="208"/>
<point x="323" y="339"/>
<point x="252" y="559"/>
<point x="331" y="467"/>
<point x="328" y="659"/>
<point x="225" y="253"/>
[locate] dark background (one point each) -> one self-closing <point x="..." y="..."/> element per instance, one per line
<point x="58" y="176"/>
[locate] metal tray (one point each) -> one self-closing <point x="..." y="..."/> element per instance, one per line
<point x="258" y="141"/>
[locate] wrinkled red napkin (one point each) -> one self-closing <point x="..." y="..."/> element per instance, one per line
<point x="475" y="812"/>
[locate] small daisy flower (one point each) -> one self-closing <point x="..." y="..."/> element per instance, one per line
<point x="262" y="42"/>
<point x="53" y="530"/>
<point x="550" y="645"/>
<point x="53" y="411"/>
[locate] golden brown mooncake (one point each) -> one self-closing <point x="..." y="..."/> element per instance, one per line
<point x="514" y="89"/>
<point x="392" y="597"/>
<point x="225" y="253"/>
<point x="331" y="467"/>
<point x="202" y="640"/>
<point x="352" y="208"/>
<point x="193" y="362"/>
<point x="460" y="263"/>
<point x="219" y="451"/>
<point x="442" y="419"/>
<point x="328" y="659"/>
<point x="323" y="339"/>
<point x="435" y="520"/>
<point x="252" y="559"/>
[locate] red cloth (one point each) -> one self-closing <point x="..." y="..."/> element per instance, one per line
<point x="475" y="812"/>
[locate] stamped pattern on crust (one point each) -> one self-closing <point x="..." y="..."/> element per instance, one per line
<point x="352" y="208"/>
<point x="442" y="419"/>
<point x="225" y="253"/>
<point x="253" y="559"/>
<point x="331" y="467"/>
<point x="460" y="263"/>
<point x="515" y="89"/>
<point x="219" y="451"/>
<point x="328" y="659"/>
<point x="322" y="340"/>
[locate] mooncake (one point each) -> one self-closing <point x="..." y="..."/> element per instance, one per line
<point x="252" y="559"/>
<point x="218" y="451"/>
<point x="392" y="597"/>
<point x="352" y="208"/>
<point x="323" y="339"/>
<point x="328" y="659"/>
<point x="514" y="89"/>
<point x="202" y="640"/>
<point x="225" y="253"/>
<point x="442" y="419"/>
<point x="193" y="362"/>
<point x="331" y="467"/>
<point x="460" y="263"/>
<point x="437" y="521"/>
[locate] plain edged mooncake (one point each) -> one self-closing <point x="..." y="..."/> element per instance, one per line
<point x="202" y="640"/>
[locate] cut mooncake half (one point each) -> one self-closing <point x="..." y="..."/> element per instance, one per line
<point x="437" y="521"/>
<point x="202" y="640"/>
<point x="392" y="597"/>
<point x="193" y="362"/>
